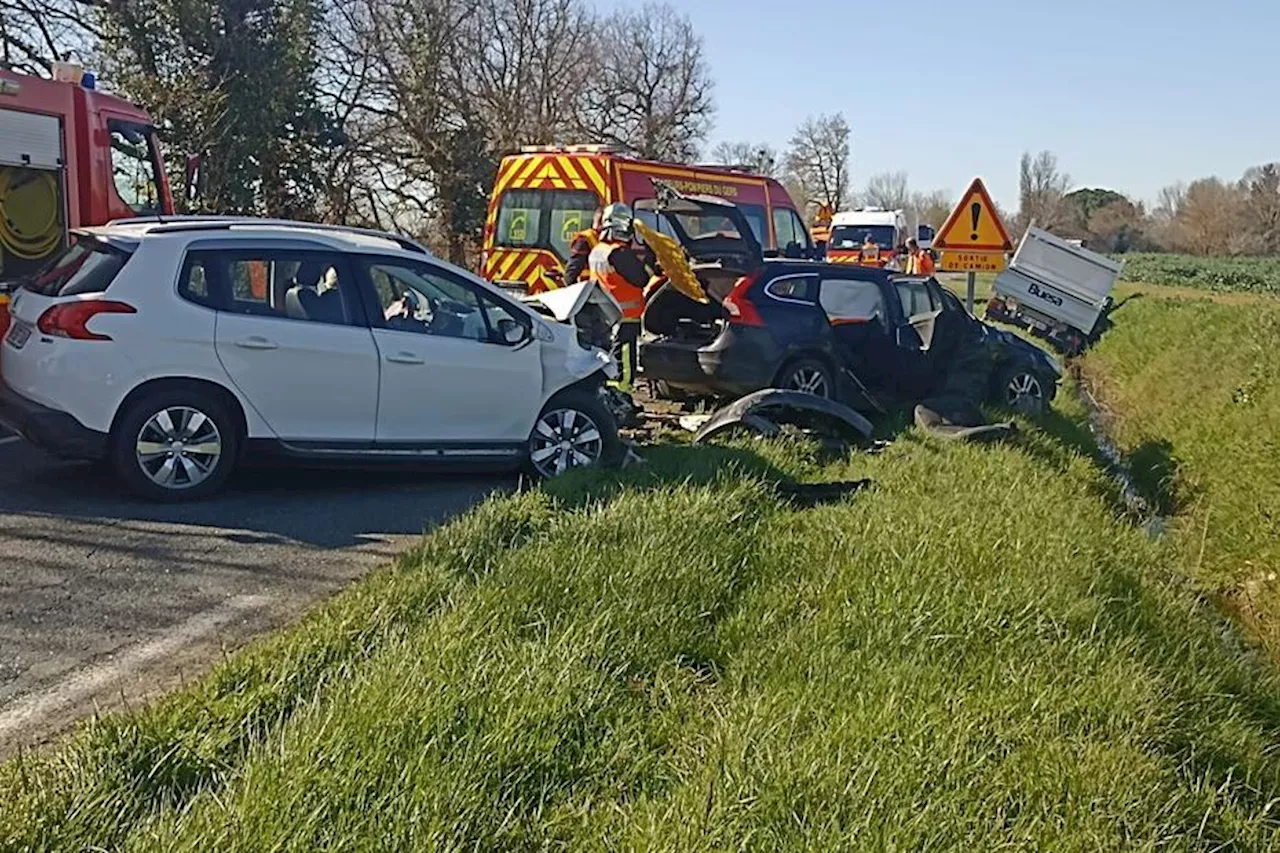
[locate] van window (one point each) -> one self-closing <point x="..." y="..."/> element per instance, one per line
<point x="544" y="219"/>
<point x="789" y="228"/>
<point x="520" y="218"/>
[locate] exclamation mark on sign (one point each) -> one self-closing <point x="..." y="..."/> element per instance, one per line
<point x="975" y="210"/>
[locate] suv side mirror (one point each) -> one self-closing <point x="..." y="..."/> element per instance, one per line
<point x="512" y="333"/>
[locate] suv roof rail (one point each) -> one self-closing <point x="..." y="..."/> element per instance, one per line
<point x="200" y="222"/>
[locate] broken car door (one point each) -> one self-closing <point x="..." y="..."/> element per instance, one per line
<point x="862" y="331"/>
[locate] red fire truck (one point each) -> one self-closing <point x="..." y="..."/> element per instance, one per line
<point x="70" y="156"/>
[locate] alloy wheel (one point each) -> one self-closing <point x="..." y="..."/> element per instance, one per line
<point x="811" y="380"/>
<point x="178" y="447"/>
<point x="1024" y="392"/>
<point x="564" y="439"/>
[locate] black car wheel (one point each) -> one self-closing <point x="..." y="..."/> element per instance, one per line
<point x="808" y="375"/>
<point x="1024" y="391"/>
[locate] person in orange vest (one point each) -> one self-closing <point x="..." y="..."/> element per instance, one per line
<point x="580" y="249"/>
<point x="618" y="268"/>
<point x="870" y="251"/>
<point x="919" y="261"/>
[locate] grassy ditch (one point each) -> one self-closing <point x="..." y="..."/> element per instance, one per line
<point x="979" y="652"/>
<point x="1192" y="393"/>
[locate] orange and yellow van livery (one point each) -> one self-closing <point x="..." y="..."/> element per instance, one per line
<point x="545" y="195"/>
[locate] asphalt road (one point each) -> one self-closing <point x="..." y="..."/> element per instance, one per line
<point x="104" y="599"/>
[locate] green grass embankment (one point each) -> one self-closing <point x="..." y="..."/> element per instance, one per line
<point x="978" y="653"/>
<point x="1192" y="395"/>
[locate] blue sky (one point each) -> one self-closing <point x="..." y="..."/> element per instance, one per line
<point x="1131" y="94"/>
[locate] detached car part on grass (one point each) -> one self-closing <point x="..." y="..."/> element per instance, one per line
<point x="767" y="412"/>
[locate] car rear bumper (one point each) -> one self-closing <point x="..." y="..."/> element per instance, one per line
<point x="56" y="432"/>
<point x="738" y="362"/>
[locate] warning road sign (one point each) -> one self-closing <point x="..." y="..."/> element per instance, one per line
<point x="974" y="226"/>
<point x="953" y="261"/>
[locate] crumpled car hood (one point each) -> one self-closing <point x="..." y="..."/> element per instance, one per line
<point x="565" y="303"/>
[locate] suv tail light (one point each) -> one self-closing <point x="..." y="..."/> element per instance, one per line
<point x="70" y="319"/>
<point x="742" y="311"/>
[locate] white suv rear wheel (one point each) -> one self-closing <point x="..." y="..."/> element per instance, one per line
<point x="175" y="444"/>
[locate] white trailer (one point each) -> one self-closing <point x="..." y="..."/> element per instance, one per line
<point x="1056" y="289"/>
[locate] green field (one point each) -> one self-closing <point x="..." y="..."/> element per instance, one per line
<point x="980" y="652"/>
<point x="1222" y="274"/>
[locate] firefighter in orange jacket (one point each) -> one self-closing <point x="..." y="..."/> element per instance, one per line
<point x="580" y="249"/>
<point x="619" y="269"/>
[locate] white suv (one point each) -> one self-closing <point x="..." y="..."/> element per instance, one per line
<point x="175" y="348"/>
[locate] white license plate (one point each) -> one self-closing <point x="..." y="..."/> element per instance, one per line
<point x="18" y="335"/>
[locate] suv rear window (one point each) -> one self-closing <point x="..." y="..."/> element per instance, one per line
<point x="86" y="266"/>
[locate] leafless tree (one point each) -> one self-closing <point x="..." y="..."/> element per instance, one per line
<point x="651" y="89"/>
<point x="932" y="208"/>
<point x="34" y="33"/>
<point x="1209" y="219"/>
<point x="817" y="161"/>
<point x="523" y="65"/>
<point x="759" y="158"/>
<point x="887" y="190"/>
<point x="1041" y="189"/>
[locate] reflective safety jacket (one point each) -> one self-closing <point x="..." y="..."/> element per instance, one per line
<point x="921" y="263"/>
<point x="620" y="271"/>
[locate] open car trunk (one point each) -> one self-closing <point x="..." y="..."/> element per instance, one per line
<point x="710" y="248"/>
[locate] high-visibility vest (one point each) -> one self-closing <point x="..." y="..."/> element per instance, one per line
<point x="921" y="263"/>
<point x="629" y="297"/>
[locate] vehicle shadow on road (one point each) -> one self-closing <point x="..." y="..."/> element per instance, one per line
<point x="322" y="508"/>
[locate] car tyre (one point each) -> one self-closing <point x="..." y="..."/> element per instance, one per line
<point x="575" y="429"/>
<point x="1025" y="391"/>
<point x="175" y="444"/>
<point x="809" y="375"/>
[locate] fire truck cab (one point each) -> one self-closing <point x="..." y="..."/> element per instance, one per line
<point x="70" y="156"/>
<point x="546" y="194"/>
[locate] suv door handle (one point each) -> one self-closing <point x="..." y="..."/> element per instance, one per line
<point x="406" y="358"/>
<point x="256" y="342"/>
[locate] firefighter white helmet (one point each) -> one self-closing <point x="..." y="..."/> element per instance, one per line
<point x="618" y="222"/>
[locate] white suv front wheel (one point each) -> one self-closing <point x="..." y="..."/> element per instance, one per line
<point x="175" y="444"/>
<point x="574" y="430"/>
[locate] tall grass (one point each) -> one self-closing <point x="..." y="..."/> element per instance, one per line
<point x="978" y="653"/>
<point x="1193" y="389"/>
